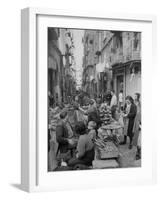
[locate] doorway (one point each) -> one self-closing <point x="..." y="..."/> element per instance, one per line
<point x="120" y="84"/>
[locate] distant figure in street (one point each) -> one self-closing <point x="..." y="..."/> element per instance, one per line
<point x="130" y="114"/>
<point x="108" y="97"/>
<point x="113" y="103"/>
<point x="121" y="99"/>
<point x="85" y="148"/>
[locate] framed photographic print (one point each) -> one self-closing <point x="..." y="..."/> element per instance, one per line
<point x="86" y="115"/>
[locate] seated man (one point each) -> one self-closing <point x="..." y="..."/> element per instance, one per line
<point x="85" y="147"/>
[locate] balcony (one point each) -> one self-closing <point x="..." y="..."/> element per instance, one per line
<point x="117" y="57"/>
<point x="136" y="55"/>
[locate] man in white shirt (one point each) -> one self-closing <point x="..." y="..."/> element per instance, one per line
<point x="113" y="103"/>
<point x="120" y="99"/>
<point x="113" y="99"/>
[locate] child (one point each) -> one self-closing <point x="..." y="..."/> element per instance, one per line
<point x="91" y="130"/>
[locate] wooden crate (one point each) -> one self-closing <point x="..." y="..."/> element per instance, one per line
<point x="105" y="164"/>
<point x="106" y="154"/>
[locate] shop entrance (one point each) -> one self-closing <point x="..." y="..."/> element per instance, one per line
<point x="120" y="84"/>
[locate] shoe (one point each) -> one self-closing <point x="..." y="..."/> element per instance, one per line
<point x="130" y="146"/>
<point x="124" y="142"/>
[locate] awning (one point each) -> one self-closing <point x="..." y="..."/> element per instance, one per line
<point x="130" y="64"/>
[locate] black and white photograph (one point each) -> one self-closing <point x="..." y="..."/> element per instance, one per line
<point x="94" y="99"/>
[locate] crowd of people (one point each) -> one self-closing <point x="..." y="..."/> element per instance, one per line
<point x="77" y="127"/>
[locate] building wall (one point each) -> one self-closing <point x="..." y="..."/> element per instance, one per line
<point x="113" y="48"/>
<point x="94" y="53"/>
<point x="89" y="47"/>
<point x="119" y="47"/>
<point x="54" y="54"/>
<point x="105" y="57"/>
<point x="91" y="44"/>
<point x="61" y="79"/>
<point x="131" y="46"/>
<point x="130" y="51"/>
<point x="133" y="84"/>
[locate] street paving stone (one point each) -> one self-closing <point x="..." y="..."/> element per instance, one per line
<point x="128" y="157"/>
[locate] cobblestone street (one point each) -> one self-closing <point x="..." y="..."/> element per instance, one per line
<point x="129" y="156"/>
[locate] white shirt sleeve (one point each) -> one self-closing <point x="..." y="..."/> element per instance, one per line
<point x="113" y="101"/>
<point x="120" y="97"/>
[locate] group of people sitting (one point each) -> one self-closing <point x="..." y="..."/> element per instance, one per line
<point x="77" y="151"/>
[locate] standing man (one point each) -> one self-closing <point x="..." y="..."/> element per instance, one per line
<point x="62" y="137"/>
<point x="120" y="99"/>
<point x="113" y="103"/>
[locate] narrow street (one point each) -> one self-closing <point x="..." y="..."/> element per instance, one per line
<point x="94" y="81"/>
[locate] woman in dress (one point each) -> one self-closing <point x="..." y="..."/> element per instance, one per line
<point x="129" y="116"/>
<point x="137" y="122"/>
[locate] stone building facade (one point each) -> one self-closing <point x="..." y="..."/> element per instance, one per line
<point x="126" y="67"/>
<point x="90" y="42"/>
<point x="61" y="82"/>
<point x="112" y="60"/>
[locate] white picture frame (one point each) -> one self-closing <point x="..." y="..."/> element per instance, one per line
<point x="32" y="70"/>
